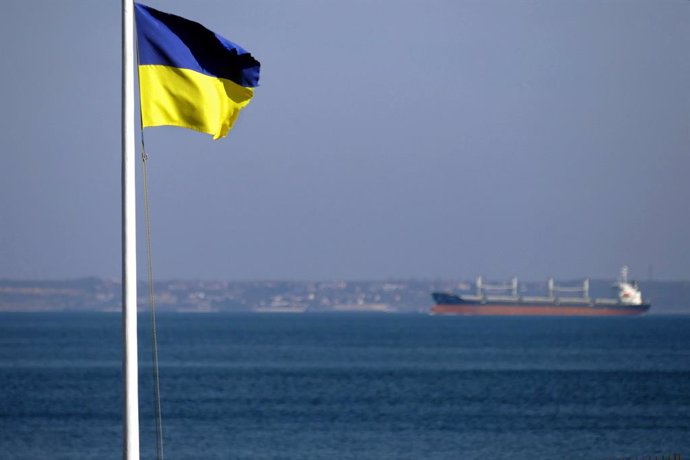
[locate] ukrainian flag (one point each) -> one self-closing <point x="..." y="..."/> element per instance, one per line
<point x="189" y="76"/>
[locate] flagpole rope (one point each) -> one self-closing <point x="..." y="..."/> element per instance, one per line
<point x="151" y="297"/>
<point x="152" y="307"/>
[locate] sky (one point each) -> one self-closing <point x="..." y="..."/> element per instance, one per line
<point x="389" y="139"/>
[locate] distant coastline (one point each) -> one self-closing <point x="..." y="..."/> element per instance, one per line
<point x="391" y="296"/>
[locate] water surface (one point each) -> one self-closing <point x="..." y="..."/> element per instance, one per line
<point x="351" y="386"/>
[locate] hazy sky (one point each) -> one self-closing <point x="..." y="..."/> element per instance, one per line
<point x="388" y="139"/>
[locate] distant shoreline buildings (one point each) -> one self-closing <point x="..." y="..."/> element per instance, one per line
<point x="394" y="296"/>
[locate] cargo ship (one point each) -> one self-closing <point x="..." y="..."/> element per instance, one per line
<point x="503" y="300"/>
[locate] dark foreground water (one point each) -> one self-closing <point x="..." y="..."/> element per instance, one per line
<point x="352" y="387"/>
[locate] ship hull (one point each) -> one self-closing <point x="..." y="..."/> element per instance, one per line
<point x="454" y="305"/>
<point x="533" y="310"/>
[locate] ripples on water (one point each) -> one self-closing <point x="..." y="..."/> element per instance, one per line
<point x="351" y="387"/>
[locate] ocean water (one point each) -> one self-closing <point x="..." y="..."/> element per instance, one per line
<point x="351" y="386"/>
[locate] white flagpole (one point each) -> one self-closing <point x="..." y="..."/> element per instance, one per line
<point x="130" y="367"/>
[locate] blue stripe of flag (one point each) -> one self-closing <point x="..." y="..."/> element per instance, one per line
<point x="169" y="40"/>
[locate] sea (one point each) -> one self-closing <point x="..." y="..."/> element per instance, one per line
<point x="350" y="386"/>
